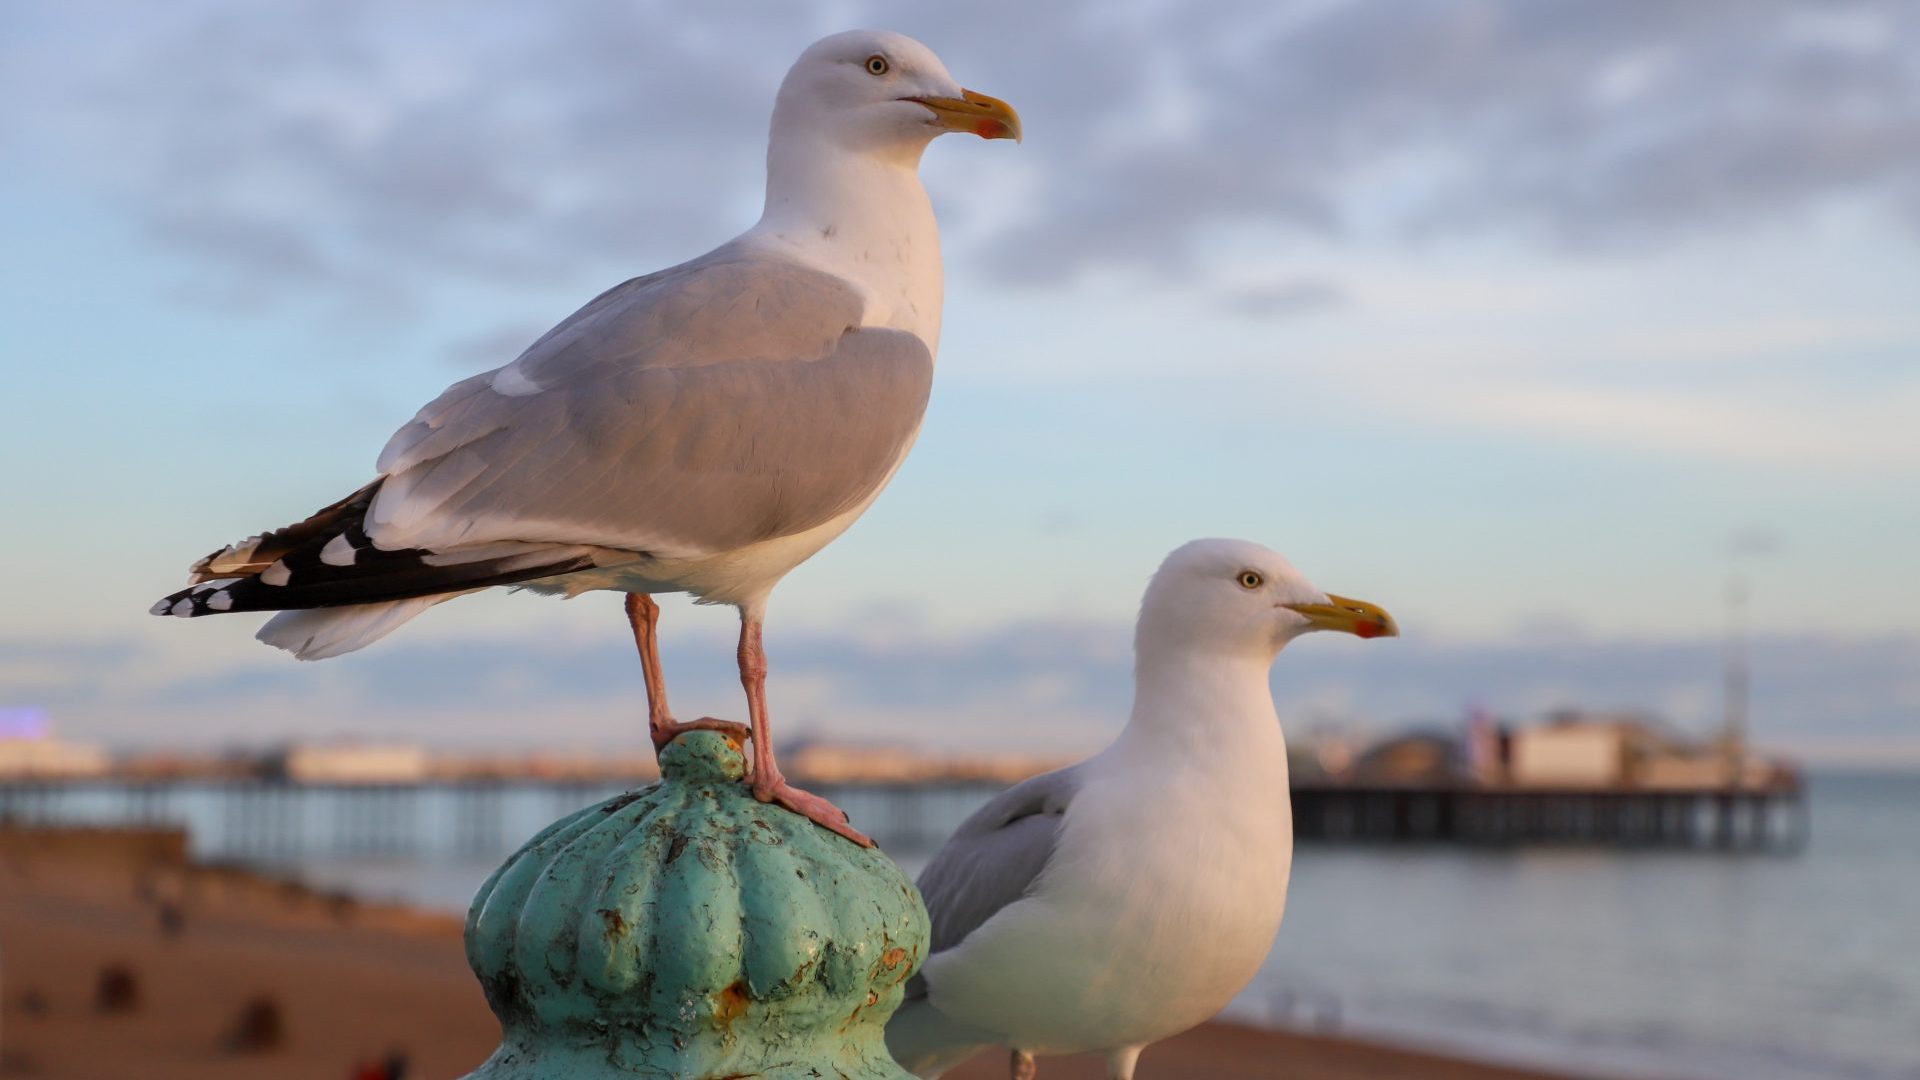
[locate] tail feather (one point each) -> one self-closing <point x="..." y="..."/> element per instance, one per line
<point x="319" y="633"/>
<point x="256" y="553"/>
<point x="355" y="590"/>
<point x="305" y="578"/>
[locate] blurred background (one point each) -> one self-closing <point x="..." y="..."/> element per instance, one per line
<point x="1581" y="336"/>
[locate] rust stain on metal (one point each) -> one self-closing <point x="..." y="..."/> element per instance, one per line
<point x="616" y="923"/>
<point x="892" y="957"/>
<point x="731" y="1004"/>
<point x="907" y="972"/>
<point x="873" y="998"/>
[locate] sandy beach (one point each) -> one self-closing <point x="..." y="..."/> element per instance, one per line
<point x="352" y="981"/>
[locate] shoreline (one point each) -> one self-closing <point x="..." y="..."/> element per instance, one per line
<point x="352" y="980"/>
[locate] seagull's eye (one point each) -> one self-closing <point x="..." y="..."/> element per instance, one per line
<point x="877" y="65"/>
<point x="1251" y="580"/>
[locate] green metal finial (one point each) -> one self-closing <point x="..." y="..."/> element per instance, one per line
<point x="686" y="930"/>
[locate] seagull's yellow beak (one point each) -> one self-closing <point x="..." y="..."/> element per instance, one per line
<point x="1349" y="617"/>
<point x="987" y="117"/>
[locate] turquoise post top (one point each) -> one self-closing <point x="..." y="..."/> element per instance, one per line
<point x="686" y="930"/>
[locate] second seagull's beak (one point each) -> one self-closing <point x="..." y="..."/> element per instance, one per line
<point x="987" y="117"/>
<point x="1349" y="617"/>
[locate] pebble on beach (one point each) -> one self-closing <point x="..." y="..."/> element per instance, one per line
<point x="260" y="1027"/>
<point x="117" y="990"/>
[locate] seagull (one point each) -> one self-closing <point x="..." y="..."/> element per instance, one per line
<point x="703" y="429"/>
<point x="1127" y="898"/>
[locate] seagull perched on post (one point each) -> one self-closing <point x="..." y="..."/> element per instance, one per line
<point x="704" y="429"/>
<point x="1128" y="898"/>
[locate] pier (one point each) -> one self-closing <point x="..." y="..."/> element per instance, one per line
<point x="1769" y="818"/>
<point x="274" y="820"/>
<point x="1616" y="781"/>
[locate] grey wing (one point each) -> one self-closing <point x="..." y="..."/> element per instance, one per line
<point x="728" y="401"/>
<point x="995" y="856"/>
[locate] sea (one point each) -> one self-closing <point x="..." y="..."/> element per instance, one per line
<point x="1624" y="963"/>
<point x="1614" y="963"/>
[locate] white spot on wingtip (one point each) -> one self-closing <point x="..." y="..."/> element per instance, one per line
<point x="182" y="608"/>
<point x="338" y="552"/>
<point x="220" y="601"/>
<point x="277" y="574"/>
<point x="160" y="607"/>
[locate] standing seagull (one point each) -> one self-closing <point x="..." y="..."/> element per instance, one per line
<point x="704" y="429"/>
<point x="1128" y="898"/>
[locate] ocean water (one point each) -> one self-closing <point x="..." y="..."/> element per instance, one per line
<point x="1688" y="966"/>
<point x="1656" y="964"/>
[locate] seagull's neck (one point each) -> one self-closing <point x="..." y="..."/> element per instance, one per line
<point x="864" y="217"/>
<point x="1191" y="705"/>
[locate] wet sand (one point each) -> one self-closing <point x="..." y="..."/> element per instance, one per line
<point x="352" y="981"/>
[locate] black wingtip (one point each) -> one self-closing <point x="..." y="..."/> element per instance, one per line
<point x="204" y="598"/>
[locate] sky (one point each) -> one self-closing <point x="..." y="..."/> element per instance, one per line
<point x="1530" y="322"/>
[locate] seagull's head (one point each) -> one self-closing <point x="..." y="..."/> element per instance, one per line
<point x="1238" y="598"/>
<point x="879" y="92"/>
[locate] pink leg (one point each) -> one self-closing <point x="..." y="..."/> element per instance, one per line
<point x="644" y="614"/>
<point x="768" y="785"/>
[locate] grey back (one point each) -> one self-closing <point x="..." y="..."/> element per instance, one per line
<point x="730" y="400"/>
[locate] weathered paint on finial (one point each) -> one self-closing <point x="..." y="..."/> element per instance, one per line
<point x="687" y="930"/>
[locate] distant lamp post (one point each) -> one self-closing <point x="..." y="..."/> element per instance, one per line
<point x="1738" y="681"/>
<point x="1742" y="545"/>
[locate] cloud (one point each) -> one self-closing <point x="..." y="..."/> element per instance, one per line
<point x="1054" y="686"/>
<point x="1583" y="126"/>
<point x="369" y="145"/>
<point x="364" y="144"/>
<point x="1755" y="542"/>
<point x="1663" y="421"/>
<point x="1803" y="393"/>
<point x="1283" y="299"/>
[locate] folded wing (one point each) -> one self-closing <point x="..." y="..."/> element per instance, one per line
<point x="696" y="411"/>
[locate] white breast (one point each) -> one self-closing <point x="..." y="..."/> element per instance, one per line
<point x="1127" y="941"/>
<point x="875" y="228"/>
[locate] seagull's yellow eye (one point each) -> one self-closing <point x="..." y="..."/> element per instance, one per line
<point x="877" y="65"/>
<point x="1251" y="580"/>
